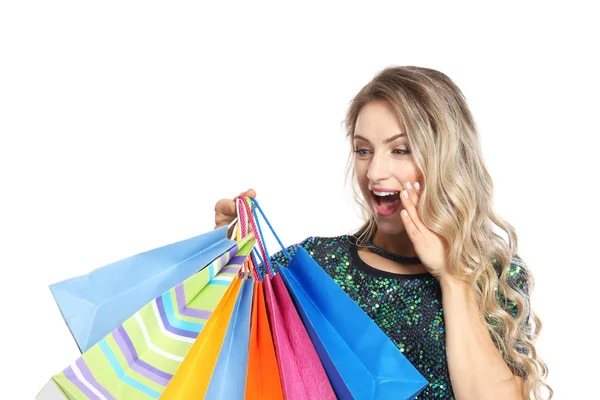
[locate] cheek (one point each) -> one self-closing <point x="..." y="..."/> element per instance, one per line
<point x="362" y="180"/>
<point x="363" y="183"/>
<point x="361" y="169"/>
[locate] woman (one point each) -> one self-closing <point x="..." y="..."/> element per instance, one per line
<point x="427" y="266"/>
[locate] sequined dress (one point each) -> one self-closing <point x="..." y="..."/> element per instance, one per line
<point x="408" y="308"/>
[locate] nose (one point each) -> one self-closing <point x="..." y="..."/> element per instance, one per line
<point x="379" y="168"/>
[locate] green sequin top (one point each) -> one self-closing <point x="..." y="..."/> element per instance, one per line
<point x="408" y="308"/>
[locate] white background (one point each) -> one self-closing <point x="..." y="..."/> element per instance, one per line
<point x="124" y="122"/>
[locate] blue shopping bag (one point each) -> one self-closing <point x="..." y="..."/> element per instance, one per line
<point x="361" y="361"/>
<point x="228" y="380"/>
<point x="94" y="304"/>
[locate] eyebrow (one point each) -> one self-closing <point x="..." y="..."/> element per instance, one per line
<point x="386" y="141"/>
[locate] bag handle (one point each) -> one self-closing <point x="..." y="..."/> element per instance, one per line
<point x="251" y="205"/>
<point x="254" y="255"/>
<point x="246" y="216"/>
<point x="241" y="229"/>
<point x="257" y="206"/>
<point x="255" y="215"/>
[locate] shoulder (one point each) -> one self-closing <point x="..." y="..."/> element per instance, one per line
<point x="514" y="286"/>
<point x="517" y="274"/>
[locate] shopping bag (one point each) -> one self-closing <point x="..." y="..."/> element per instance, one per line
<point x="301" y="372"/>
<point x="51" y="391"/>
<point x="262" y="377"/>
<point x="360" y="360"/>
<point x="138" y="359"/>
<point x="190" y="381"/>
<point x="94" y="304"/>
<point x="228" y="379"/>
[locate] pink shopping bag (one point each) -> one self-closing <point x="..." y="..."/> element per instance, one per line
<point x="302" y="374"/>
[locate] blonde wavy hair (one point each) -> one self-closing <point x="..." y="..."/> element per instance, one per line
<point x="456" y="203"/>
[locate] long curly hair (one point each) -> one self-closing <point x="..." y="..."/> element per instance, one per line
<point x="457" y="204"/>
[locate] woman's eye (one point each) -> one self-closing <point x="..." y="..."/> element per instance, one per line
<point x="362" y="152"/>
<point x="401" y="151"/>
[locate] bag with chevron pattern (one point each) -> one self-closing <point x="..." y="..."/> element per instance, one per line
<point x="139" y="357"/>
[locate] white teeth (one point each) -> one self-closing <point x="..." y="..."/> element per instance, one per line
<point x="384" y="193"/>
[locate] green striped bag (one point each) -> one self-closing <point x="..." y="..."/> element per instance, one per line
<point x="138" y="359"/>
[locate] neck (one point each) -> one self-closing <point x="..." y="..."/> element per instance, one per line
<point x="398" y="244"/>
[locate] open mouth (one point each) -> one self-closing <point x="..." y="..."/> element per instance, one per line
<point x="386" y="203"/>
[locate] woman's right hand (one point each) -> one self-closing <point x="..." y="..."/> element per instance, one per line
<point x="225" y="210"/>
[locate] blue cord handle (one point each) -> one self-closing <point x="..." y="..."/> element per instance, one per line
<point x="256" y="264"/>
<point x="255" y="253"/>
<point x="255" y="203"/>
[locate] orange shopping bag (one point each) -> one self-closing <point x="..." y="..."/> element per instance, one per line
<point x="193" y="375"/>
<point x="262" y="379"/>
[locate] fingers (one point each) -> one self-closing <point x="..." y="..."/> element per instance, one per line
<point x="249" y="193"/>
<point x="225" y="209"/>
<point x="410" y="204"/>
<point x="225" y="212"/>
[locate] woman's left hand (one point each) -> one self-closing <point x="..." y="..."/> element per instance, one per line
<point x="429" y="247"/>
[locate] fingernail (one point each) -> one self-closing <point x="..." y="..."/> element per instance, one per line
<point x="408" y="185"/>
<point x="405" y="194"/>
<point x="417" y="186"/>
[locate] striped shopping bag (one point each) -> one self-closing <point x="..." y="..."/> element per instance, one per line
<point x="138" y="359"/>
